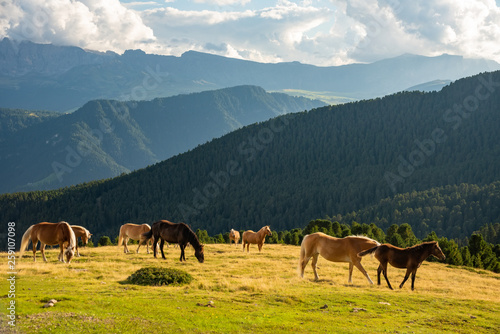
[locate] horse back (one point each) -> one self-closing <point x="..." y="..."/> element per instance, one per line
<point x="45" y="232"/>
<point x="397" y="257"/>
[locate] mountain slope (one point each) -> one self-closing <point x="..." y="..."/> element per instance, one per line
<point x="106" y="138"/>
<point x="297" y="167"/>
<point x="13" y="120"/>
<point x="34" y="76"/>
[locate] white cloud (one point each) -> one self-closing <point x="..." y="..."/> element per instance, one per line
<point x="93" y="24"/>
<point x="321" y="32"/>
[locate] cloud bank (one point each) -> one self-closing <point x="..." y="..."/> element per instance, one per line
<point x="318" y="32"/>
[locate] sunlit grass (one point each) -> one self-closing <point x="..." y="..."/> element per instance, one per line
<point x="239" y="292"/>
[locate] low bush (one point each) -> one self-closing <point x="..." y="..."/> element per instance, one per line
<point x="159" y="276"/>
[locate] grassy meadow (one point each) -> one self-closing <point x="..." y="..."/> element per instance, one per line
<point x="240" y="292"/>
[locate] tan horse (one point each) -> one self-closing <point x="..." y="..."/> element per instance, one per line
<point x="251" y="237"/>
<point x="50" y="234"/>
<point x="335" y="250"/>
<point x="410" y="258"/>
<point x="134" y="232"/>
<point x="234" y="236"/>
<point x="83" y="233"/>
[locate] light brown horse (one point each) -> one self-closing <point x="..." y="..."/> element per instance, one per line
<point x="251" y="237"/>
<point x="410" y="258"/>
<point x="134" y="232"/>
<point x="234" y="236"/>
<point x="83" y="233"/>
<point x="335" y="250"/>
<point x="50" y="234"/>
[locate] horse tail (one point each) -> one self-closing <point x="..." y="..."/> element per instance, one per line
<point x="148" y="235"/>
<point x="302" y="255"/>
<point x="120" y="237"/>
<point x="25" y="241"/>
<point x="368" y="251"/>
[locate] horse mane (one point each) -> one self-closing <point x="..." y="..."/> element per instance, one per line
<point x="422" y="245"/>
<point x="72" y="238"/>
<point x="191" y="236"/>
<point x="364" y="237"/>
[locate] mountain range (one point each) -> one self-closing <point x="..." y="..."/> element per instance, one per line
<point x="324" y="162"/>
<point x="63" y="78"/>
<point x="104" y="138"/>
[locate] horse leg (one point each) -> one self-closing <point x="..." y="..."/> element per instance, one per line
<point x="42" y="249"/>
<point x="313" y="264"/>
<point x="155" y="244"/>
<point x="413" y="276"/>
<point x="351" y="266"/>
<point x="61" y="252"/>
<point x="379" y="270"/>
<point x="182" y="247"/>
<point x="76" y="248"/>
<point x="162" y="243"/>
<point x="362" y="269"/>
<point x="260" y="247"/>
<point x="408" y="270"/>
<point x="35" y="243"/>
<point x="125" y="248"/>
<point x="384" y="271"/>
<point x="303" y="265"/>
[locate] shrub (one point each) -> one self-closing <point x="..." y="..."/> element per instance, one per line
<point x="159" y="276"/>
<point x="105" y="241"/>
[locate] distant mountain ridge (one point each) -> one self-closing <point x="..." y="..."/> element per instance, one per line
<point x="105" y="138"/>
<point x="62" y="78"/>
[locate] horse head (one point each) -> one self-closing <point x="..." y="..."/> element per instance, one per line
<point x="437" y="252"/>
<point x="199" y="254"/>
<point x="268" y="231"/>
<point x="69" y="253"/>
<point x="86" y="238"/>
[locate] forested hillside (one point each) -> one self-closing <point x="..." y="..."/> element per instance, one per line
<point x="298" y="167"/>
<point x="13" y="120"/>
<point x="105" y="138"/>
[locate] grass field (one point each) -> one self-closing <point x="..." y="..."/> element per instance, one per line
<point x="239" y="292"/>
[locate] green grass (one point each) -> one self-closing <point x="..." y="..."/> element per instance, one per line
<point x="238" y="292"/>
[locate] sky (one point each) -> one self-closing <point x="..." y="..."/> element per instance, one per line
<point x="322" y="32"/>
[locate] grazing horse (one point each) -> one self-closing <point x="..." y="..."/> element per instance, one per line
<point x="251" y="237"/>
<point x="50" y="234"/>
<point x="134" y="232"/>
<point x="410" y="258"/>
<point x="179" y="233"/>
<point x="335" y="250"/>
<point x="82" y="232"/>
<point x="235" y="236"/>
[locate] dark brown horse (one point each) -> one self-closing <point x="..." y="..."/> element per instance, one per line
<point x="179" y="233"/>
<point x="410" y="258"/>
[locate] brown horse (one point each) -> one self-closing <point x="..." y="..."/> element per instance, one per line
<point x="335" y="250"/>
<point x="179" y="233"/>
<point x="134" y="232"/>
<point x="82" y="232"/>
<point x="234" y="236"/>
<point x="251" y="237"/>
<point x="410" y="258"/>
<point x="50" y="234"/>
